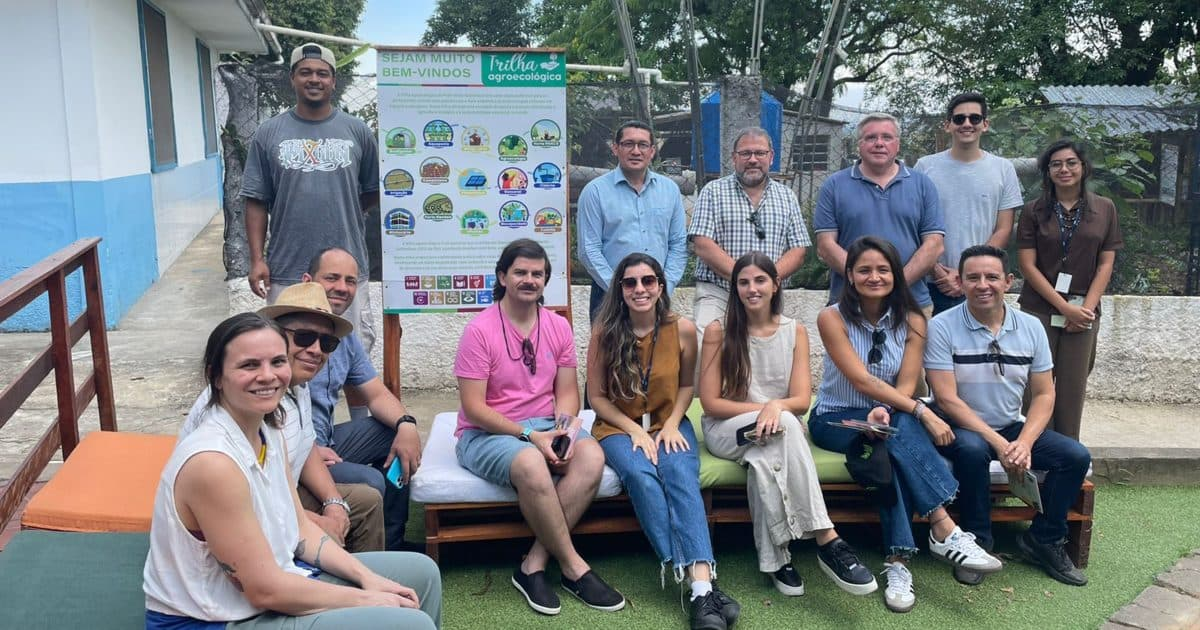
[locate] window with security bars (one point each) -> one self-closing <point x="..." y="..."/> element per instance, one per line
<point x="811" y="153"/>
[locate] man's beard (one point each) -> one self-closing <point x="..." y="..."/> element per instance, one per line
<point x="751" y="179"/>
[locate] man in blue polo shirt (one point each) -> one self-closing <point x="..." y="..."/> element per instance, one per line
<point x="631" y="209"/>
<point x="980" y="357"/>
<point x="880" y="196"/>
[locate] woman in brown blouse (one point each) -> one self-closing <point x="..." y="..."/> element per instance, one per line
<point x="1066" y="244"/>
<point x="641" y="362"/>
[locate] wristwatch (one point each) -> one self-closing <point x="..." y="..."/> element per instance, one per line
<point x="335" y="501"/>
<point x="525" y="433"/>
<point x="406" y="418"/>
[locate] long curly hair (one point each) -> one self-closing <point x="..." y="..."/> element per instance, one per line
<point x="618" y="349"/>
<point x="735" y="350"/>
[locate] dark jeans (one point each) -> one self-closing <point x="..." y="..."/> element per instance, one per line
<point x="941" y="301"/>
<point x="1064" y="460"/>
<point x="364" y="445"/>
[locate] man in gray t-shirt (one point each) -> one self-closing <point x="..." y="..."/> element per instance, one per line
<point x="313" y="171"/>
<point x="978" y="191"/>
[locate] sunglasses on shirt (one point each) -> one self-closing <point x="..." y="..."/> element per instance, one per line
<point x="755" y="220"/>
<point x="528" y="357"/>
<point x="877" y="340"/>
<point x="305" y="338"/>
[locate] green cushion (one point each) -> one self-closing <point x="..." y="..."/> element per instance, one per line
<point x="73" y="580"/>
<point x="714" y="471"/>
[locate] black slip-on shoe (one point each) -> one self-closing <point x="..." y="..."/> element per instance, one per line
<point x="594" y="592"/>
<point x="537" y="591"/>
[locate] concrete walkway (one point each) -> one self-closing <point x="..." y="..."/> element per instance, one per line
<point x="157" y="347"/>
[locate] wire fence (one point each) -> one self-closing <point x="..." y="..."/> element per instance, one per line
<point x="1142" y="156"/>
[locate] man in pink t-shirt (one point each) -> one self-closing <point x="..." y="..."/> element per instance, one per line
<point x="516" y="372"/>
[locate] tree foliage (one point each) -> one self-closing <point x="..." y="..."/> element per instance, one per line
<point x="481" y="22"/>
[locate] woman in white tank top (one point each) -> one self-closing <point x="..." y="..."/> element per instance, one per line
<point x="229" y="541"/>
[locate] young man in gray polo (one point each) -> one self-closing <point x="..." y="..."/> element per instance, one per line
<point x="980" y="357"/>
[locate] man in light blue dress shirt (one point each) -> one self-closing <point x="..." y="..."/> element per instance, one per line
<point x="631" y="209"/>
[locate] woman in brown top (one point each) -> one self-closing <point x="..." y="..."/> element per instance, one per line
<point x="640" y="365"/>
<point x="1066" y="244"/>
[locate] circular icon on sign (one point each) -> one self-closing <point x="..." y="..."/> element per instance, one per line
<point x="513" y="181"/>
<point x="475" y="139"/>
<point x="472" y="182"/>
<point x="399" y="222"/>
<point x="547" y="175"/>
<point x="398" y="183"/>
<point x="474" y="223"/>
<point x="435" y="170"/>
<point x="514" y="214"/>
<point x="438" y="134"/>
<point x="513" y="149"/>
<point x="400" y="140"/>
<point x="437" y="207"/>
<point x="548" y="221"/>
<point x="545" y="133"/>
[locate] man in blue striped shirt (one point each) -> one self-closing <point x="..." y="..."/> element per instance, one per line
<point x="980" y="357"/>
<point x="631" y="209"/>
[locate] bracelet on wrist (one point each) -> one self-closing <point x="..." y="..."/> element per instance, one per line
<point x="918" y="410"/>
<point x="335" y="501"/>
<point x="405" y="419"/>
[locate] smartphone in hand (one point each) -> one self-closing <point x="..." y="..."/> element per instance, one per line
<point x="562" y="444"/>
<point x="395" y="473"/>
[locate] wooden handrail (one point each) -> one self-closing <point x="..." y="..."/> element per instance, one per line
<point x="49" y="276"/>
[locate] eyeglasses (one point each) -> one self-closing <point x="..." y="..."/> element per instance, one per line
<point x="528" y="357"/>
<point x="876" y="354"/>
<point x="630" y="145"/>
<point x="305" y="338"/>
<point x="886" y="138"/>
<point x="759" y="230"/>
<point x="747" y="154"/>
<point x="994" y="354"/>
<point x="632" y="282"/>
<point x="959" y="119"/>
<point x="1071" y="164"/>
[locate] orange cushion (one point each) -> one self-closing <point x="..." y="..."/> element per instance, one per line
<point x="106" y="485"/>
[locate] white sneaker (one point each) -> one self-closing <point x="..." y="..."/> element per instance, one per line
<point x="959" y="549"/>
<point x="898" y="595"/>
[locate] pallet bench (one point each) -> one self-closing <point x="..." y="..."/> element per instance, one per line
<point x="497" y="517"/>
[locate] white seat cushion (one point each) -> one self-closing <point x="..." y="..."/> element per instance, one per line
<point x="441" y="479"/>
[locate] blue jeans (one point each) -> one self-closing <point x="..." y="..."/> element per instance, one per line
<point x="1064" y="460"/>
<point x="921" y="478"/>
<point x="665" y="498"/>
<point x="364" y="445"/>
<point x="941" y="301"/>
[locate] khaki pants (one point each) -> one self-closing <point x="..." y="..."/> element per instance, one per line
<point x="366" y="515"/>
<point x="1074" y="357"/>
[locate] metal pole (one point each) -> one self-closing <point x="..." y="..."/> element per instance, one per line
<point x="694" y="81"/>
<point x="622" y="13"/>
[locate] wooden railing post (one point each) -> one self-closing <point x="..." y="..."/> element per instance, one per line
<point x="392" y="333"/>
<point x="64" y="369"/>
<point x="101" y="368"/>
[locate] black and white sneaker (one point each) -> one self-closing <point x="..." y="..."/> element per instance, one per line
<point x="788" y="581"/>
<point x="838" y="560"/>
<point x="537" y="591"/>
<point x="1053" y="559"/>
<point x="594" y="592"/>
<point x="960" y="549"/>
<point x="705" y="613"/>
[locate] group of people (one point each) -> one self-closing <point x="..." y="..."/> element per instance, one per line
<point x="270" y="515"/>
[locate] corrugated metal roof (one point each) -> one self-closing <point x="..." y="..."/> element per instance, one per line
<point x="1128" y="108"/>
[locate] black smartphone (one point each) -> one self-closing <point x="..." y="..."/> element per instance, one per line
<point x="560" y="446"/>
<point x="745" y="435"/>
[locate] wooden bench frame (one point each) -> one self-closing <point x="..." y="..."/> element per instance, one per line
<point x="49" y="276"/>
<point x="447" y="523"/>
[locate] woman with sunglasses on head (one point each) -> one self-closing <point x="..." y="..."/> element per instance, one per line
<point x="1067" y="242"/>
<point x="230" y="545"/>
<point x="874" y="340"/>
<point x="641" y="362"/>
<point x="754" y="386"/>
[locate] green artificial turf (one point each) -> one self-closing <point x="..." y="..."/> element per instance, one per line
<point x="1139" y="531"/>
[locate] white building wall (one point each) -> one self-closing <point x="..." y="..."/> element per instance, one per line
<point x="34" y="112"/>
<point x="117" y="91"/>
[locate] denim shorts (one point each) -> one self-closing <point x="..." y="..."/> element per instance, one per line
<point x="490" y="455"/>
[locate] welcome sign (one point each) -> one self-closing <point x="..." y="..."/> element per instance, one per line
<point x="473" y="154"/>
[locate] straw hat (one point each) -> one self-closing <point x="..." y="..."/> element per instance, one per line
<point x="306" y="297"/>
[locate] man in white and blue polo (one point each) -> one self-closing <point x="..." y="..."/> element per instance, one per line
<point x="980" y="357"/>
